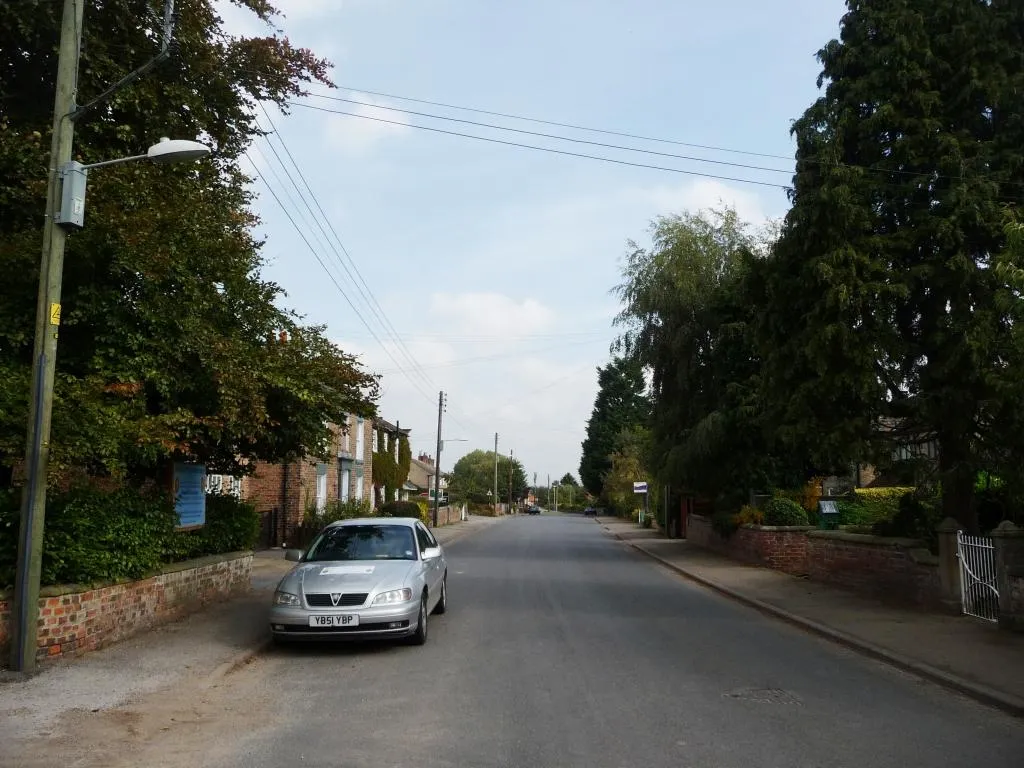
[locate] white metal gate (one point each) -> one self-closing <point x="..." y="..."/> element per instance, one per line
<point x="979" y="593"/>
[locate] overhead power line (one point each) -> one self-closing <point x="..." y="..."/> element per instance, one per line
<point x="330" y="274"/>
<point x="540" y="134"/>
<point x="536" y="148"/>
<point x="874" y="169"/>
<point x="539" y="121"/>
<point x="354" y="274"/>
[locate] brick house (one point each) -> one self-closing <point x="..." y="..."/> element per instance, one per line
<point x="283" y="492"/>
<point x="421" y="476"/>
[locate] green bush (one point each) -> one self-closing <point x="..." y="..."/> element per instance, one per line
<point x="880" y="503"/>
<point x="231" y="525"/>
<point x="853" y="513"/>
<point x="783" y="511"/>
<point x="95" y="535"/>
<point x="336" y="509"/>
<point x="916" y="518"/>
<point x="399" y="509"/>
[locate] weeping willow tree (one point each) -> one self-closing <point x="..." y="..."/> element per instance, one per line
<point x="688" y="305"/>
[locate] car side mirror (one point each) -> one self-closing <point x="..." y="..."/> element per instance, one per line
<point x="294" y="555"/>
<point x="431" y="553"/>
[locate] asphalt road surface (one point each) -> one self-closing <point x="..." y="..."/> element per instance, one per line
<point x="563" y="647"/>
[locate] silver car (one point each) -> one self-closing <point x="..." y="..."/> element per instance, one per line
<point x="360" y="579"/>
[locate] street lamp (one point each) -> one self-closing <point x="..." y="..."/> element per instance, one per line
<point x="65" y="211"/>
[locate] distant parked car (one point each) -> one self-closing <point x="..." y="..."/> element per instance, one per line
<point x="533" y="509"/>
<point x="590" y="511"/>
<point x="361" y="579"/>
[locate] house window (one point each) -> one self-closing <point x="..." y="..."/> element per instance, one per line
<point x="375" y="441"/>
<point x="321" y="486"/>
<point x="360" y="440"/>
<point x="344" y="475"/>
<point x="359" y="487"/>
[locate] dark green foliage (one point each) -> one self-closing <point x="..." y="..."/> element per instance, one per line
<point x="882" y="297"/>
<point x="399" y="509"/>
<point x="95" y="535"/>
<point x="231" y="526"/>
<point x="780" y="511"/>
<point x="472" y="479"/>
<point x="170" y="343"/>
<point x="916" y="518"/>
<point x="852" y="513"/>
<point x="620" y="404"/>
<point x="689" y="304"/>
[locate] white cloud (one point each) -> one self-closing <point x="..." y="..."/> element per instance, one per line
<point x="490" y="314"/>
<point x="355" y="136"/>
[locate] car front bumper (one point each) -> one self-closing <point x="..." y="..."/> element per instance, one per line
<point x="292" y="622"/>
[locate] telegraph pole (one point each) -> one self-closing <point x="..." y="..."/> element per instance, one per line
<point x="510" y="468"/>
<point x="495" y="474"/>
<point x="44" y="353"/>
<point x="437" y="460"/>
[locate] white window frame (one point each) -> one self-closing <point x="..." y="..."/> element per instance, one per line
<point x="344" y="485"/>
<point x="321" y="487"/>
<point x="360" y="439"/>
<point x="359" y="488"/>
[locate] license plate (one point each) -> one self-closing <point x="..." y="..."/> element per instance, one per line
<point x="335" y="620"/>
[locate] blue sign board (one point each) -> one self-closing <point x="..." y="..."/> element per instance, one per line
<point x="190" y="494"/>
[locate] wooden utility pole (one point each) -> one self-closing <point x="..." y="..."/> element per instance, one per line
<point x="51" y="269"/>
<point x="437" y="458"/>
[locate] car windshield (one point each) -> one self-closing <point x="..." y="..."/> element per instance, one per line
<point x="364" y="542"/>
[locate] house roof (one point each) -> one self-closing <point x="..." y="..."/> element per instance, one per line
<point x="387" y="426"/>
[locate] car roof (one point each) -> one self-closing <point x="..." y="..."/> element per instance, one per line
<point x="403" y="521"/>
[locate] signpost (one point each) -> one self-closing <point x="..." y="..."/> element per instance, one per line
<point x="190" y="494"/>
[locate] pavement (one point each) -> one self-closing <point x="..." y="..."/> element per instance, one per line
<point x="198" y="650"/>
<point x="968" y="655"/>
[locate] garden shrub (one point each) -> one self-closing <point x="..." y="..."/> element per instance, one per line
<point x="232" y="525"/>
<point x="916" y="518"/>
<point x="336" y="509"/>
<point x="95" y="535"/>
<point x="880" y="503"/>
<point x="782" y="511"/>
<point x="749" y="515"/>
<point x="853" y="513"/>
<point x="399" y="509"/>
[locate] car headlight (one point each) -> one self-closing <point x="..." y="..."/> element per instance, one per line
<point x="394" y="596"/>
<point x="285" y="598"/>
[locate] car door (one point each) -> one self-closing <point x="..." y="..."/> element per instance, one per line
<point x="432" y="569"/>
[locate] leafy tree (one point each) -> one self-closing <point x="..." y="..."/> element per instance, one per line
<point x="882" y="299"/>
<point x="688" y="305"/>
<point x="627" y="467"/>
<point x="171" y="341"/>
<point x="620" y="403"/>
<point x="568" y="479"/>
<point x="472" y="478"/>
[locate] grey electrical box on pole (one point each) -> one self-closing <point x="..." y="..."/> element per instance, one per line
<point x="73" y="176"/>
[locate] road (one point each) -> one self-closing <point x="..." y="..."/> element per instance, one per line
<point x="565" y="648"/>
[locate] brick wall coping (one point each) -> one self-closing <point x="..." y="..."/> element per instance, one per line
<point x="184" y="565"/>
<point x="869" y="539"/>
<point x="798" y="528"/>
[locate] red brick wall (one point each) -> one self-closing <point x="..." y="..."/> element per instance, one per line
<point x="893" y="569"/>
<point x="73" y="623"/>
<point x="447" y="515"/>
<point x="781" y="548"/>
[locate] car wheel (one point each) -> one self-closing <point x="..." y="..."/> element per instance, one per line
<point x="419" y="637"/>
<point x="442" y="604"/>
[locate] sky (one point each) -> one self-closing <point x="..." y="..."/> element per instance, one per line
<point x="487" y="270"/>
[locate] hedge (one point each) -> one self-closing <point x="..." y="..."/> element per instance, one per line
<point x="782" y="511"/>
<point x="95" y="536"/>
<point x="880" y="503"/>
